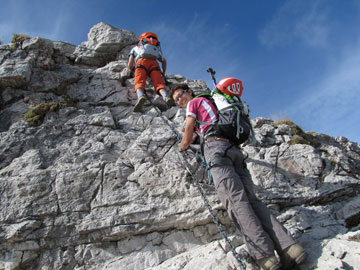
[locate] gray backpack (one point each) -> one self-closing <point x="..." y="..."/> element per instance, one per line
<point x="149" y="51"/>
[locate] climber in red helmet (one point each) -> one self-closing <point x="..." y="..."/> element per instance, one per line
<point x="145" y="56"/>
<point x="263" y="234"/>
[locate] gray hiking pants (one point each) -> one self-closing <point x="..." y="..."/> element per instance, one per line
<point x="262" y="232"/>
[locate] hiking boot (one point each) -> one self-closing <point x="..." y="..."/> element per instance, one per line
<point x="295" y="254"/>
<point x="170" y="102"/>
<point x="139" y="103"/>
<point x="269" y="263"/>
<point x="244" y="255"/>
<point x="160" y="103"/>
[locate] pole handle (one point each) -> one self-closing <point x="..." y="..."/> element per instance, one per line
<point x="212" y="73"/>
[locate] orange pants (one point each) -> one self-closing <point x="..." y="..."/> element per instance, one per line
<point x="145" y="67"/>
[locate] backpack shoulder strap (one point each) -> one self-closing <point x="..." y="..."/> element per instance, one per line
<point x="205" y="95"/>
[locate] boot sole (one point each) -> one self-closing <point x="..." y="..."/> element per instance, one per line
<point x="299" y="259"/>
<point x="138" y="105"/>
<point x="170" y="103"/>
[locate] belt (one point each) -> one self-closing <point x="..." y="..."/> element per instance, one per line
<point x="216" y="139"/>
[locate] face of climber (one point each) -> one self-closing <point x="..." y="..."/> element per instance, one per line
<point x="182" y="97"/>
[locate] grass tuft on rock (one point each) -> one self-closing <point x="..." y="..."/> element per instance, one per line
<point x="355" y="238"/>
<point x="295" y="129"/>
<point x="35" y="116"/>
<point x="17" y="40"/>
<point x="298" y="135"/>
<point x="296" y="139"/>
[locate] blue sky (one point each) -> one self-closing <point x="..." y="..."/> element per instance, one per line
<point x="298" y="59"/>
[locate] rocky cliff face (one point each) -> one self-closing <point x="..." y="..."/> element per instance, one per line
<point x="85" y="183"/>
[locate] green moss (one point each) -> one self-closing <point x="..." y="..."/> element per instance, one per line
<point x="311" y="133"/>
<point x="355" y="238"/>
<point x="299" y="136"/>
<point x="295" y="129"/>
<point x="296" y="139"/>
<point x="327" y="138"/>
<point x="36" y="115"/>
<point x="17" y="40"/>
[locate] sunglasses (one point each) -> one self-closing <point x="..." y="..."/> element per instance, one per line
<point x="179" y="96"/>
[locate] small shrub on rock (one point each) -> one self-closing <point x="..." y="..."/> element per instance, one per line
<point x="17" y="40"/>
<point x="299" y="136"/>
<point x="355" y="237"/>
<point x="296" y="139"/>
<point x="36" y="115"/>
<point x="295" y="129"/>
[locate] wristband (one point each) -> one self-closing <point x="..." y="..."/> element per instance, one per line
<point x="179" y="147"/>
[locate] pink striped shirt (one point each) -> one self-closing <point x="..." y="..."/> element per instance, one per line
<point x="202" y="109"/>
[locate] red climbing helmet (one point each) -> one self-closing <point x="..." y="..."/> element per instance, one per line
<point x="150" y="37"/>
<point x="230" y="86"/>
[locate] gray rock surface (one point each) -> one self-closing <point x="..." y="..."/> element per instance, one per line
<point x="103" y="45"/>
<point x="93" y="185"/>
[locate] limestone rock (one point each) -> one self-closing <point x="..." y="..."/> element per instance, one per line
<point x="104" y="42"/>
<point x="15" y="73"/>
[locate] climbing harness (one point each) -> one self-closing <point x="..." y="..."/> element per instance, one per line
<point x="202" y="192"/>
<point x="148" y="71"/>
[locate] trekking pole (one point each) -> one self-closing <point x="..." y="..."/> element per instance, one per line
<point x="212" y="73"/>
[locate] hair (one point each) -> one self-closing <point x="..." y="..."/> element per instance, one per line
<point x="183" y="86"/>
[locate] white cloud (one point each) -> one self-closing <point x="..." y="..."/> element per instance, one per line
<point x="333" y="105"/>
<point x="190" y="49"/>
<point x="297" y="20"/>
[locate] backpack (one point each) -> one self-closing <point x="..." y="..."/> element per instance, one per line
<point x="149" y="46"/>
<point x="233" y="117"/>
<point x="233" y="120"/>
